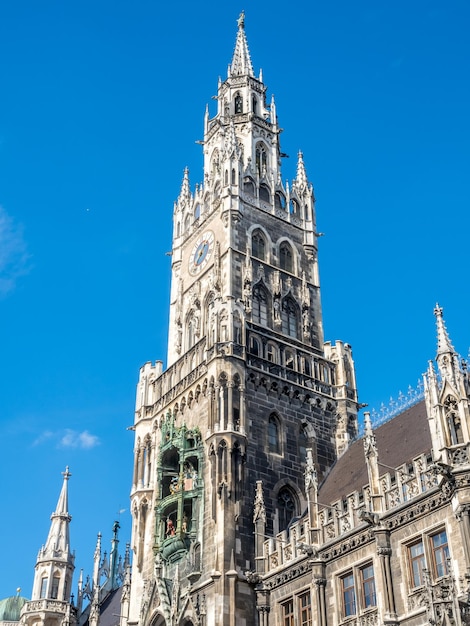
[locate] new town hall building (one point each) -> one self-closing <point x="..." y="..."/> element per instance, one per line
<point x="254" y="501"/>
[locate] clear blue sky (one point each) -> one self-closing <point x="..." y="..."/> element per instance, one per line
<point x="101" y="104"/>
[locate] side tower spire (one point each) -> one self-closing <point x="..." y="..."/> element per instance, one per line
<point x="446" y="394"/>
<point x="50" y="598"/>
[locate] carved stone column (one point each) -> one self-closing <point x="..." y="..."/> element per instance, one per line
<point x="320" y="585"/>
<point x="463" y="515"/>
<point x="242" y="410"/>
<point x="259" y="520"/>
<point x="230" y="385"/>
<point x="384" y="551"/>
<point x="262" y="606"/>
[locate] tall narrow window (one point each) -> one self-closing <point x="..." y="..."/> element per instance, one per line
<point x="289" y="317"/>
<point x="349" y="595"/>
<point x="258" y="246"/>
<point x="55" y="587"/>
<point x="285" y="507"/>
<point x="264" y="193"/>
<point x="287" y="613"/>
<point x="255" y="346"/>
<point x="368" y="586"/>
<point x="271" y="353"/>
<point x="43" y="592"/>
<point x="417" y="563"/>
<point x="305" y="609"/>
<point x="440" y="553"/>
<point x="238" y="103"/>
<point x="261" y="159"/>
<point x="285" y="258"/>
<point x="273" y="435"/>
<point x="260" y="306"/>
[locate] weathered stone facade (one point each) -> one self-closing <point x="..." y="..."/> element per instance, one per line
<point x="253" y="500"/>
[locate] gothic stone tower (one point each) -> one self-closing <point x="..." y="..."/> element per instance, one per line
<point x="250" y="383"/>
<point x="51" y="603"/>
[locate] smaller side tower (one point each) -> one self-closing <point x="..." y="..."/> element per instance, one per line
<point x="50" y="601"/>
<point x="447" y="400"/>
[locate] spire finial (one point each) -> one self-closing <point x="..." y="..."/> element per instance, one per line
<point x="66" y="474"/>
<point x="444" y="345"/>
<point x="241" y="63"/>
<point x="301" y="178"/>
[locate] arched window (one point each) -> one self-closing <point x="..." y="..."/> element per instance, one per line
<point x="286" y="258"/>
<point x="261" y="159"/>
<point x="286" y="507"/>
<point x="274" y="443"/>
<point x="193" y="330"/>
<point x="237" y="328"/>
<point x="264" y="193"/>
<point x="258" y="245"/>
<point x="254" y="346"/>
<point x="294" y="207"/>
<point x="187" y="223"/>
<point x="249" y="187"/>
<point x="260" y="306"/>
<point x="197" y="211"/>
<point x="254" y="105"/>
<point x="233" y="177"/>
<point x="238" y="103"/>
<point x="289" y="317"/>
<point x="226" y="177"/>
<point x="280" y="201"/>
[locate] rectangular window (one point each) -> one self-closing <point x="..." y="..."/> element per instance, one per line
<point x="440" y="553"/>
<point x="288" y="613"/>
<point x="417" y="563"/>
<point x="305" y="609"/>
<point x="43" y="587"/>
<point x="368" y="586"/>
<point x="55" y="588"/>
<point x="349" y="595"/>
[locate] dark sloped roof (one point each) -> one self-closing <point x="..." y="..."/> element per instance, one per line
<point x="399" y="440"/>
<point x="110" y="610"/>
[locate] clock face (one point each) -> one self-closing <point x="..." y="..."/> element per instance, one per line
<point x="201" y="252"/>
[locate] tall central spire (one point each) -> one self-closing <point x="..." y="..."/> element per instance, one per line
<point x="241" y="62"/>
